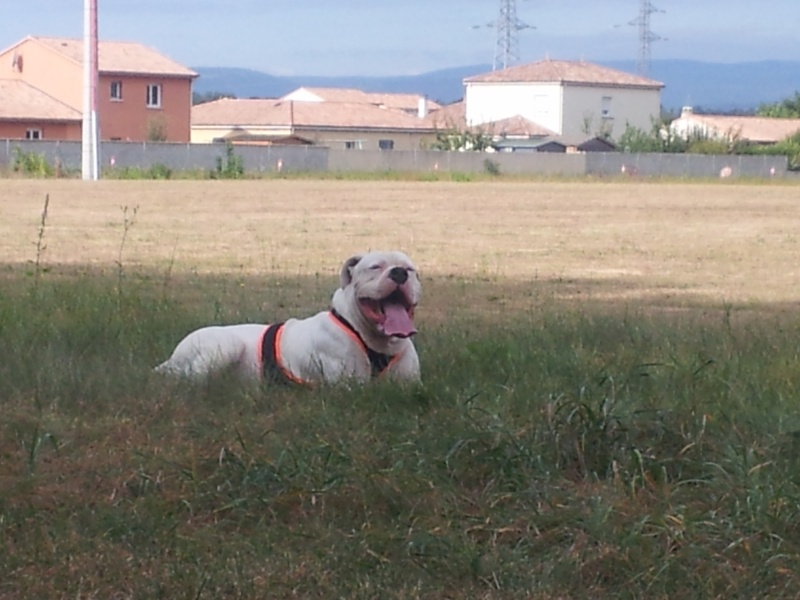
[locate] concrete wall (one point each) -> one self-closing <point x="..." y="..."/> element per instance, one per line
<point x="264" y="159"/>
<point x="463" y="162"/>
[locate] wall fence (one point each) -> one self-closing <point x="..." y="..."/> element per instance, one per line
<point x="264" y="159"/>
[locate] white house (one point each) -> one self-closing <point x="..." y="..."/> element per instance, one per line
<point x="571" y="98"/>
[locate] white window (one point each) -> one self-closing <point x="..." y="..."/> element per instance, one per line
<point x="348" y="145"/>
<point x="154" y="95"/>
<point x="116" y="90"/>
<point x="605" y="107"/>
<point x="33" y="134"/>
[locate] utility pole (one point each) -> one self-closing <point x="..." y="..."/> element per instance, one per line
<point x="90" y="166"/>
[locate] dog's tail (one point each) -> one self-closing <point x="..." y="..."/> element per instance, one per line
<point x="167" y="367"/>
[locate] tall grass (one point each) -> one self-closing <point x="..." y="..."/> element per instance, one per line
<point x="564" y="451"/>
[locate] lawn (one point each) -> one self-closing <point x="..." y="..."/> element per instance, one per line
<point x="609" y="405"/>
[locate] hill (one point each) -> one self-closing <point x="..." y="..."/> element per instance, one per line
<point x="707" y="86"/>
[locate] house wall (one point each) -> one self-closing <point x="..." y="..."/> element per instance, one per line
<point x="337" y="140"/>
<point x="366" y="140"/>
<point x="569" y="110"/>
<point x="45" y="70"/>
<point x="16" y="130"/>
<point x="206" y="134"/>
<point x="539" y="102"/>
<point x="584" y="106"/>
<point x="302" y="95"/>
<point x="130" y="119"/>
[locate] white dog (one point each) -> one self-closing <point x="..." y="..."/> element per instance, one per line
<point x="367" y="332"/>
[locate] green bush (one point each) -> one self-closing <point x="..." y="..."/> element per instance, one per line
<point x="231" y="166"/>
<point x="31" y="164"/>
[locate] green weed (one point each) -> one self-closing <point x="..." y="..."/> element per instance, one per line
<point x="567" y="451"/>
<point x="31" y="164"/>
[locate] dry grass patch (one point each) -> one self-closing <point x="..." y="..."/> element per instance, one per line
<point x="723" y="242"/>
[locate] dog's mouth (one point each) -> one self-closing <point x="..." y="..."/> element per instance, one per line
<point x="394" y="314"/>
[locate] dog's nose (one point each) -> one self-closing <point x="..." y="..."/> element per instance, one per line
<point x="398" y="275"/>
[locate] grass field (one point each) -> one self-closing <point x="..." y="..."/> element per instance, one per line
<point x="609" y="405"/>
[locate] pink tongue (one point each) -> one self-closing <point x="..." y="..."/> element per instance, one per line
<point x="397" y="321"/>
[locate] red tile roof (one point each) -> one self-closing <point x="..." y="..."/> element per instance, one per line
<point x="515" y="127"/>
<point x="763" y="130"/>
<point x="450" y="116"/>
<point x="119" y="57"/>
<point x="21" y="101"/>
<point x="232" y="112"/>
<point x="565" y="72"/>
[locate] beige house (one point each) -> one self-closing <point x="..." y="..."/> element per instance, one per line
<point x="141" y="95"/>
<point x="570" y="98"/>
<point x="757" y="130"/>
<point x="341" y="119"/>
<point x="414" y="104"/>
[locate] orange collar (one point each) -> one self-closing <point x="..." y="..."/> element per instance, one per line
<point x="378" y="361"/>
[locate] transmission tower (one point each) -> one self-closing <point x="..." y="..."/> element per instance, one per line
<point x="506" y="26"/>
<point x="646" y="35"/>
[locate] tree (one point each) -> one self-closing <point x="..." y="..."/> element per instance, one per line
<point x="785" y="109"/>
<point x="203" y="97"/>
<point x="659" y="139"/>
<point x="453" y="139"/>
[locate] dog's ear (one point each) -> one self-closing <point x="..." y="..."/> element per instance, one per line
<point x="347" y="269"/>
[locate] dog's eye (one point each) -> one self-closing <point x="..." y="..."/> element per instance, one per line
<point x="375" y="267"/>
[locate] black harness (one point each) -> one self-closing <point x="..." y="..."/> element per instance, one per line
<point x="275" y="372"/>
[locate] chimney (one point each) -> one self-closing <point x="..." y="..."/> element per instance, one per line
<point x="687" y="111"/>
<point x="422" y="107"/>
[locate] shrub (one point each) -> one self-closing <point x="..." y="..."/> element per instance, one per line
<point x="31" y="163"/>
<point x="231" y="166"/>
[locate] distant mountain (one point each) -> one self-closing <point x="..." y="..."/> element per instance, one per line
<point x="706" y="86"/>
<point x="444" y="86"/>
<point x="721" y="86"/>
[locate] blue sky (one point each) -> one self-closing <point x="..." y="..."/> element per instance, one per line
<point x="403" y="37"/>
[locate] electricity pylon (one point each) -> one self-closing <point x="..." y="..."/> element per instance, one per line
<point x="646" y="35"/>
<point x="507" y="25"/>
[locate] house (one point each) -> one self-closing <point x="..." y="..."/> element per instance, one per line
<point x="568" y="97"/>
<point x="29" y="113"/>
<point x="756" y="130"/>
<point x="355" y="123"/>
<point x="414" y="104"/>
<point x="516" y="134"/>
<point x="142" y="95"/>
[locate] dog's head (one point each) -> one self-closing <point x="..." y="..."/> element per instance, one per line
<point x="385" y="288"/>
